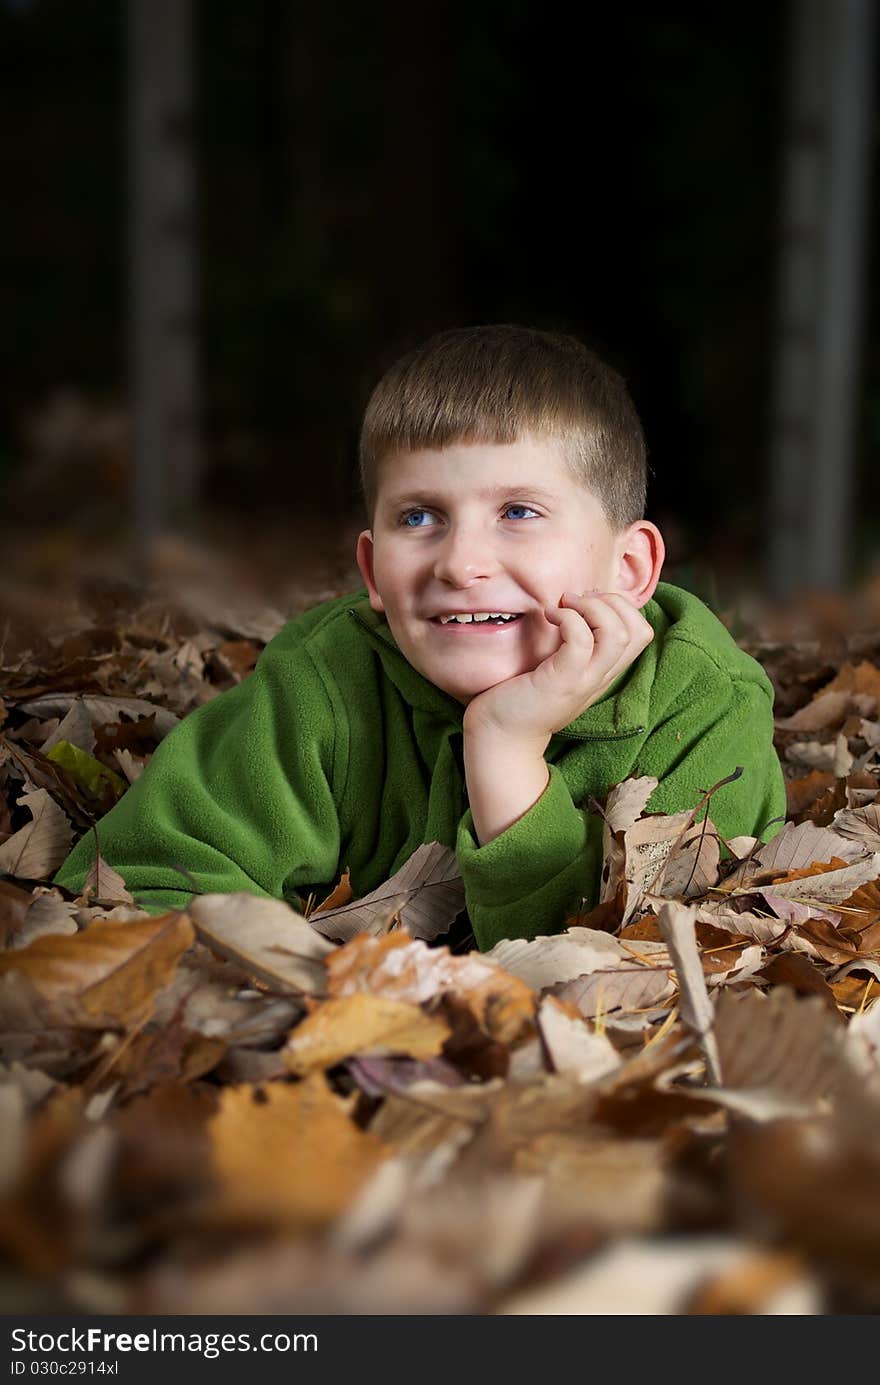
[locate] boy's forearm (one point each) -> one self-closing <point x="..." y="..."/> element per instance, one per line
<point x="505" y="778"/>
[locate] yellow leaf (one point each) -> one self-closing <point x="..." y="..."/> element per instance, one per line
<point x="288" y="1153"/>
<point x="366" y="1024"/>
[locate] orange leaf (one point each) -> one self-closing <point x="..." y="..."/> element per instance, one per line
<point x="405" y="968"/>
<point x="288" y="1153"/>
<point x="366" y="1024"/>
<point x="339" y="895"/>
<point x="105" y="976"/>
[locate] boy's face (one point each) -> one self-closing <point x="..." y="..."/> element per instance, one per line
<point x="486" y="528"/>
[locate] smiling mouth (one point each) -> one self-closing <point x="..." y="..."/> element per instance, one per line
<point x="478" y="620"/>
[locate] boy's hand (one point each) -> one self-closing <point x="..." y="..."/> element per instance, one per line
<point x="602" y="633"/>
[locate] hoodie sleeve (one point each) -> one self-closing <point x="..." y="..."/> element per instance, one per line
<point x="527" y="880"/>
<point x="547" y="865"/>
<point x="239" y="796"/>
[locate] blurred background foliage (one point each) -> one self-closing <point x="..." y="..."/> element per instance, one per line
<point x="368" y="174"/>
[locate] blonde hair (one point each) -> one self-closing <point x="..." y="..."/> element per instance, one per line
<point x="497" y="383"/>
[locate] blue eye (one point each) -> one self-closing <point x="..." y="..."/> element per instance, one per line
<point x="412" y="519"/>
<point x="527" y="508"/>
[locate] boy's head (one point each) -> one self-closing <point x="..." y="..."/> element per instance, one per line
<point x="501" y="466"/>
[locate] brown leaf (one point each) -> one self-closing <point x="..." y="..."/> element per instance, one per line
<point x="404" y="968"/>
<point x="265" y="937"/>
<point x="802" y="793"/>
<point x="561" y="957"/>
<point x="365" y="1024"/>
<point x="38" y="849"/>
<point x="825" y="713"/>
<point x="626" y="988"/>
<point x="236" y="658"/>
<point x="427" y="893"/>
<point x="860" y="679"/>
<point x="860" y="825"/>
<point x="782" y="1049"/>
<point x="793" y="847"/>
<point x="105" y="883"/>
<point x="746" y="1287"/>
<point x="677" y="924"/>
<point x="48" y="913"/>
<point x="104" y="977"/>
<point x="572" y="1047"/>
<point x="823" y="882"/>
<point x="692" y="865"/>
<point x="288" y="1154"/>
<point x="627" y="801"/>
<point x="103" y="710"/>
<point x="14" y="904"/>
<point x="647" y="847"/>
<point x="340" y="894"/>
<point x="75" y="727"/>
<point x="797" y="971"/>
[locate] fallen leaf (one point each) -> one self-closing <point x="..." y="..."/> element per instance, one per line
<point x="572" y="1047"/>
<point x="75" y="727"/>
<point x="103" y="710"/>
<point x="655" y="1276"/>
<point x="626" y="988"/>
<point x="794" y="846"/>
<point x="768" y="1281"/>
<point x="549" y="961"/>
<point x="859" y="679"/>
<point x="627" y="802"/>
<point x="14" y="905"/>
<point x="860" y="825"/>
<point x="288" y="1154"/>
<point x="779" y="1047"/>
<point x="827" y="882"/>
<point x="340" y="894"/>
<point x="405" y="968"/>
<point x="48" y="914"/>
<point x="364" y="1024"/>
<point x="677" y="924"/>
<point x="38" y="849"/>
<point x="647" y="846"/>
<point x="427" y="893"/>
<point x="802" y="793"/>
<point x="99" y="782"/>
<point x="824" y="713"/>
<point x="132" y="766"/>
<point x="105" y="883"/>
<point x="104" y="977"/>
<point x="266" y="937"/>
<point x="692" y="865"/>
<point x="794" y="970"/>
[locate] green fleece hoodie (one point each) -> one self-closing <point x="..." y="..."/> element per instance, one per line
<point x="336" y="752"/>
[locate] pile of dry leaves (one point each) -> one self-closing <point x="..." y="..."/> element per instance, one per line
<point x="672" y="1106"/>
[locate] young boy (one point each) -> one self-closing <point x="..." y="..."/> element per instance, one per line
<point x="511" y="658"/>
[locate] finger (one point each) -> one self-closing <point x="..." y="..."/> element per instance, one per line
<point x="620" y="631"/>
<point x="611" y="632"/>
<point x="575" y="652"/>
<point x="600" y="608"/>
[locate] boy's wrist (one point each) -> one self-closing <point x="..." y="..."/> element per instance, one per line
<point x="505" y="777"/>
<point x="485" y="734"/>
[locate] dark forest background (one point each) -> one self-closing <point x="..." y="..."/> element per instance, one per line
<point x="368" y="174"/>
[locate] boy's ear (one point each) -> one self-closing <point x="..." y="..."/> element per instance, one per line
<point x="365" y="563"/>
<point x="640" y="555"/>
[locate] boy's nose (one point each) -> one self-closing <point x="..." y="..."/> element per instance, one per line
<point x="463" y="557"/>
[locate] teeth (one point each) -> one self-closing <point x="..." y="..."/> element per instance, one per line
<point x="466" y="617"/>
